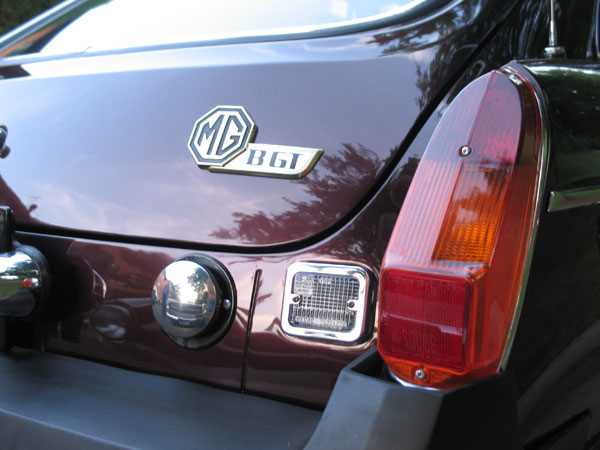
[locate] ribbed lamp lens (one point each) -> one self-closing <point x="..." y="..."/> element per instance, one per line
<point x="322" y="302"/>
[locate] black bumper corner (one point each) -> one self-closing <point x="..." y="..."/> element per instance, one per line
<point x="366" y="412"/>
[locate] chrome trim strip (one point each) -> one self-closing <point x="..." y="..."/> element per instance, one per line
<point x="360" y="307"/>
<point x="544" y="149"/>
<point x="408" y="12"/>
<point x="573" y="198"/>
<point x="597" y="30"/>
<point x="39" y="21"/>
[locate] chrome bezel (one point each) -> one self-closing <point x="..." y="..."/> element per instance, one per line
<point x="573" y="198"/>
<point x="360" y="307"/>
<point x="544" y="148"/>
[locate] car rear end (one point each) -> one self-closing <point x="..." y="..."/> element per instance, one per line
<point x="418" y="223"/>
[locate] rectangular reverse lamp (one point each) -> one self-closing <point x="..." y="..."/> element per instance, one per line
<point x="325" y="301"/>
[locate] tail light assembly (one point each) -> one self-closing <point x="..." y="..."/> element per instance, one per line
<point x="455" y="269"/>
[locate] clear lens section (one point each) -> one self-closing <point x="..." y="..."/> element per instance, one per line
<point x="324" y="302"/>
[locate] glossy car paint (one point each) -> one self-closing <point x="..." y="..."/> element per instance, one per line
<point x="555" y="352"/>
<point x="80" y="323"/>
<point x="574" y="93"/>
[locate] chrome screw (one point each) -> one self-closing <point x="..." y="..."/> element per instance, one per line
<point x="465" y="150"/>
<point x="420" y="374"/>
<point x="296" y="299"/>
<point x="350" y="304"/>
<point x="226" y="304"/>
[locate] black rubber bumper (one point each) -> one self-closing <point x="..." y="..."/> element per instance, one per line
<point x="54" y="401"/>
<point x="365" y="412"/>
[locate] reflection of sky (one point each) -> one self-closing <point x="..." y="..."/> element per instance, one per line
<point x="131" y="23"/>
<point x="179" y="274"/>
<point x="14" y="259"/>
<point x="91" y="212"/>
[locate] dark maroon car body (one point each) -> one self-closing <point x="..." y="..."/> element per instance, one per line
<point x="102" y="183"/>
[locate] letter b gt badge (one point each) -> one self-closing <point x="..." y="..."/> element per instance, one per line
<point x="222" y="142"/>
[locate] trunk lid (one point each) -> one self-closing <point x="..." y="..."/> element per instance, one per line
<point x="99" y="143"/>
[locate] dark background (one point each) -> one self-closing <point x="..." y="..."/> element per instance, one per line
<point x="15" y="12"/>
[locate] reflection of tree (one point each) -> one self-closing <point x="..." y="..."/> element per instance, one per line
<point x="337" y="177"/>
<point x="427" y="32"/>
<point x="403" y="179"/>
<point x="172" y="291"/>
<point x="367" y="238"/>
<point x="199" y="287"/>
<point x="198" y="280"/>
<point x="36" y="41"/>
<point x="443" y="33"/>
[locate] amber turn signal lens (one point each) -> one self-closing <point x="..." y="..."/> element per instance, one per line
<point x="454" y="265"/>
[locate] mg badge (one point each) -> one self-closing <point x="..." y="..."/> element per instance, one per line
<point x="221" y="135"/>
<point x="222" y="141"/>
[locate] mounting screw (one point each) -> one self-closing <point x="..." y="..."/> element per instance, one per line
<point x="350" y="304"/>
<point x="420" y="374"/>
<point x="226" y="304"/>
<point x="465" y="150"/>
<point x="296" y="299"/>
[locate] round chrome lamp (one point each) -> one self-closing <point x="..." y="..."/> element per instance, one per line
<point x="193" y="301"/>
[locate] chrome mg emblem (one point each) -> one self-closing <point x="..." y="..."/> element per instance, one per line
<point x="221" y="135"/>
<point x="222" y="141"/>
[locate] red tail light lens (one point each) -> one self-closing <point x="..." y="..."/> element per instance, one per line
<point x="454" y="266"/>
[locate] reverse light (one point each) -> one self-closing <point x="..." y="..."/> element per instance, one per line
<point x="325" y="301"/>
<point x="455" y="265"/>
